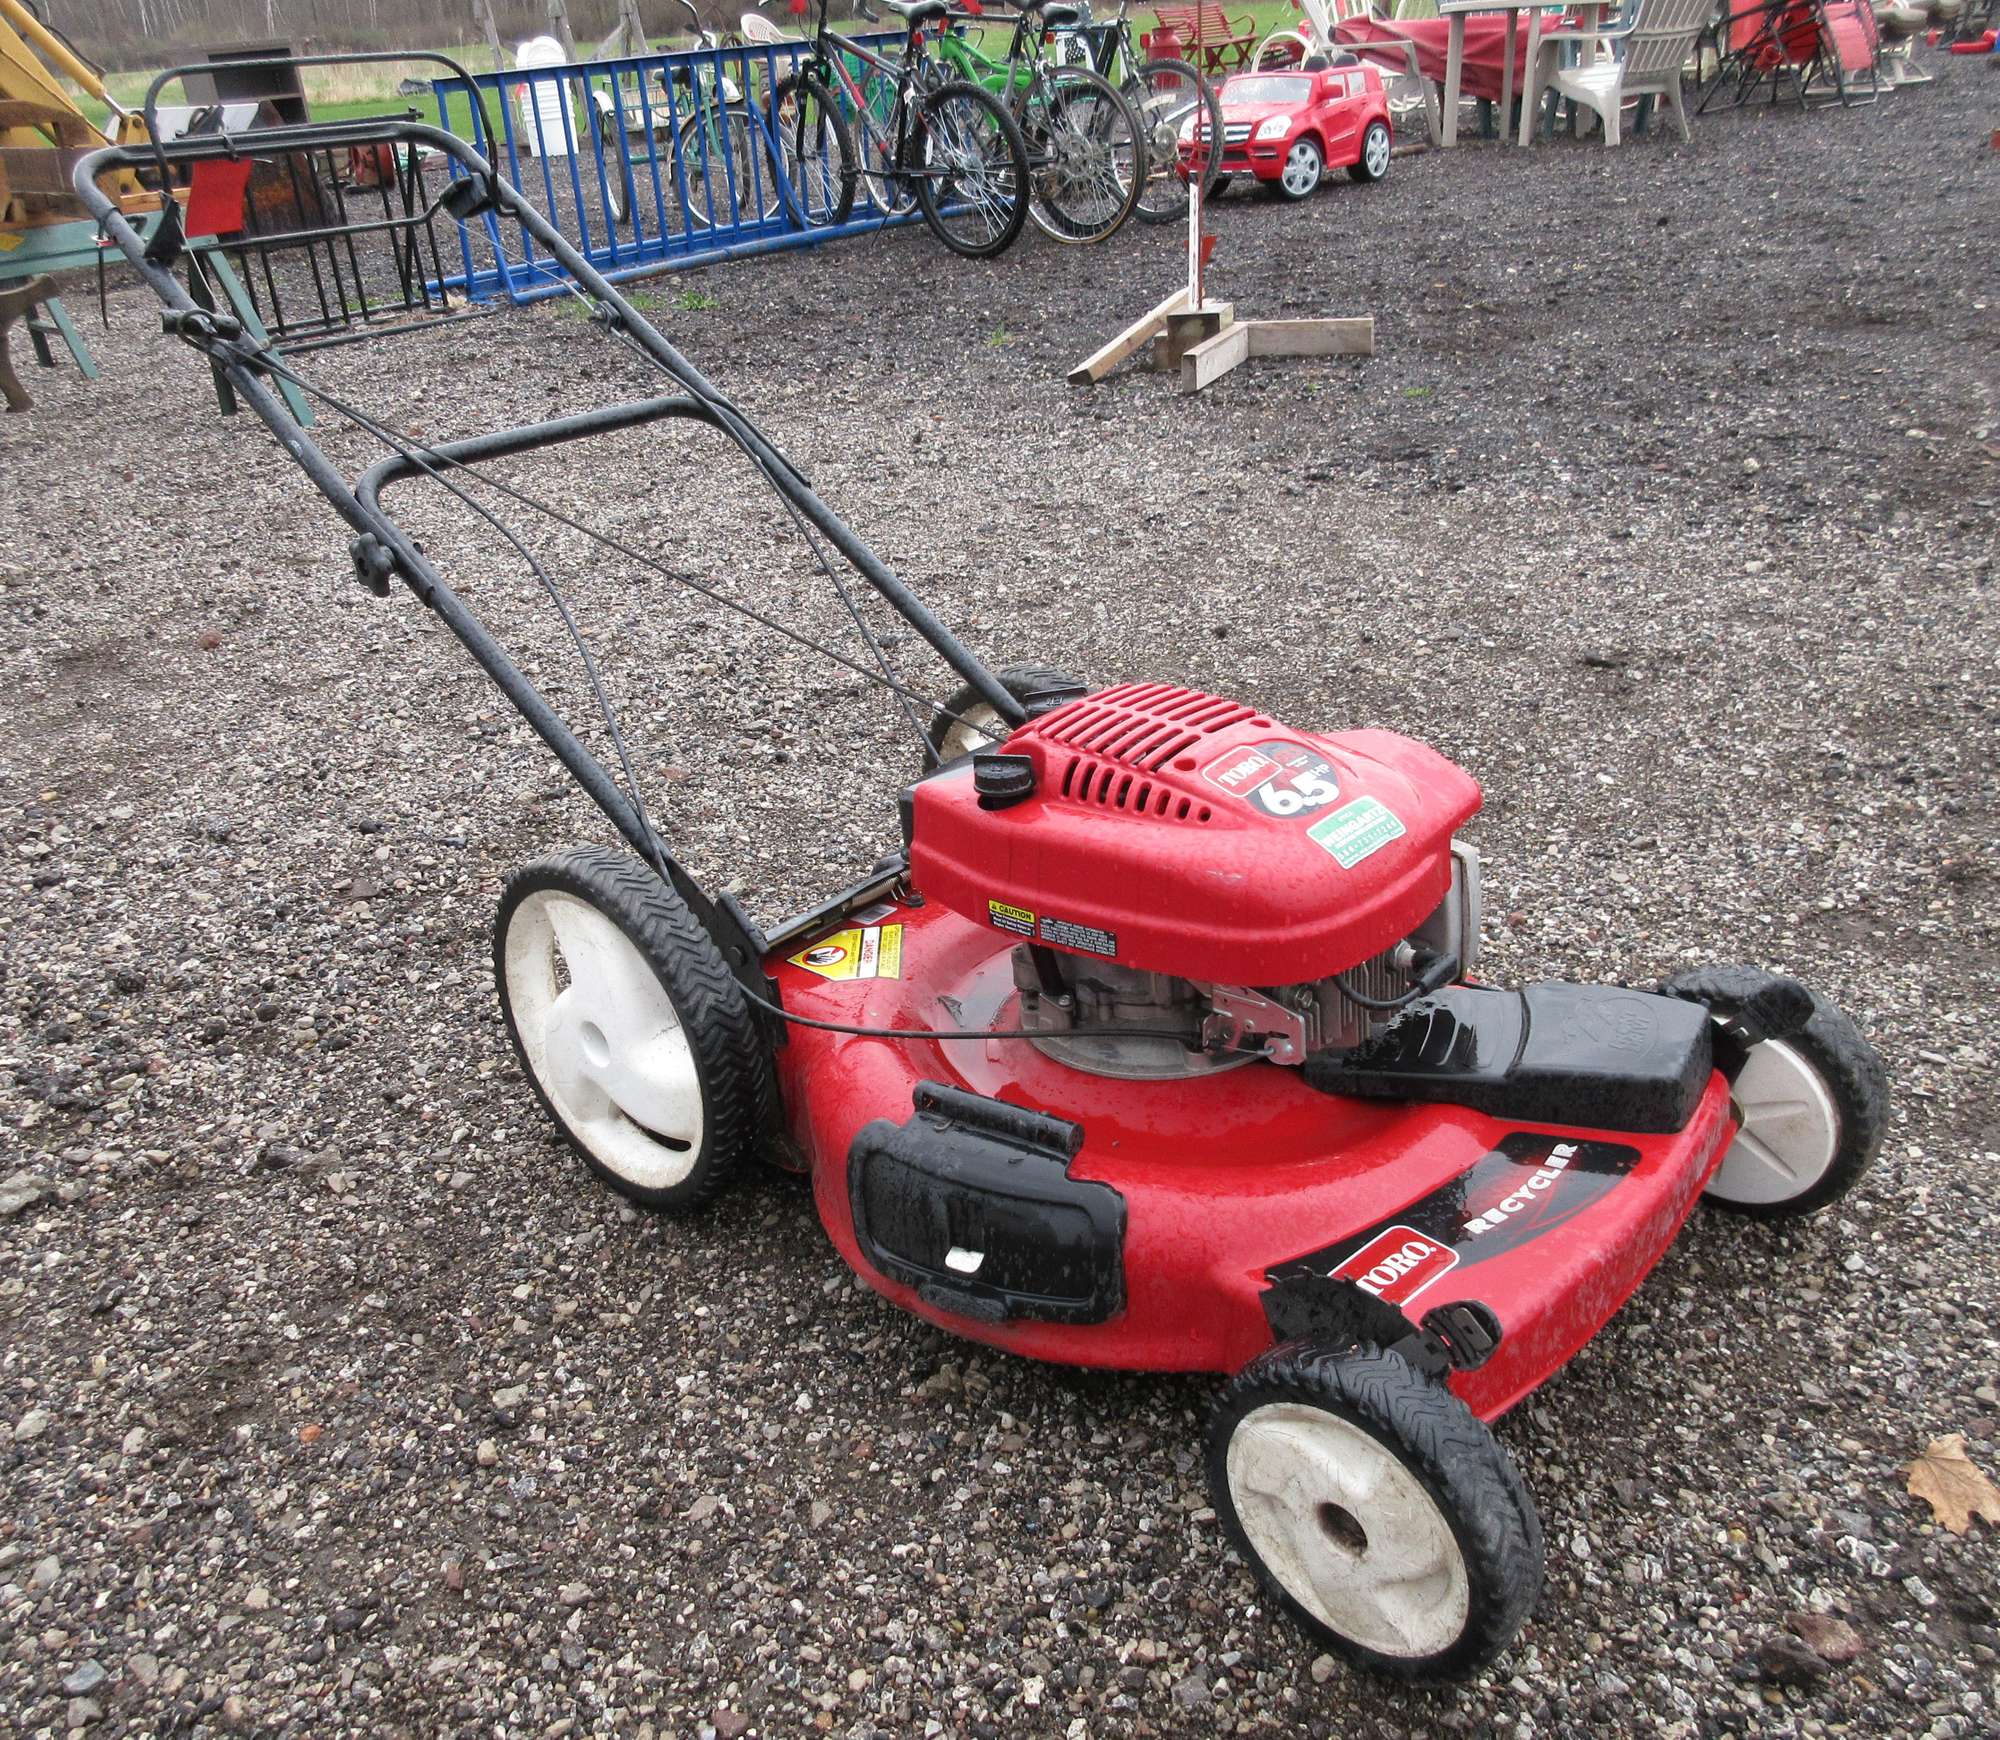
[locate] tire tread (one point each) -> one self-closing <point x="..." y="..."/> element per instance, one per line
<point x="730" y="1057"/>
<point x="1463" y="1465"/>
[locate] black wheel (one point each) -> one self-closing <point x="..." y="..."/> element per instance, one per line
<point x="726" y="182"/>
<point x="1814" y="1105"/>
<point x="1373" y="163"/>
<point x="972" y="170"/>
<point x="1088" y="154"/>
<point x="1382" y="1516"/>
<point x="971" y="722"/>
<point x="1169" y="95"/>
<point x="816" y="149"/>
<point x="620" y="193"/>
<point x="1303" y="168"/>
<point x="628" y="1024"/>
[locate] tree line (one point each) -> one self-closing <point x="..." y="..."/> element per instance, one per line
<point x="137" y="33"/>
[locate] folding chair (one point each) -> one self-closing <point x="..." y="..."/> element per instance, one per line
<point x="1803" y="45"/>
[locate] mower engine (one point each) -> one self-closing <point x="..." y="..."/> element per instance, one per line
<point x="1180" y="865"/>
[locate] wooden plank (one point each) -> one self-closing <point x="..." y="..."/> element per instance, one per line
<point x="1142" y="331"/>
<point x="1312" y="337"/>
<point x="1186" y="330"/>
<point x="1215" y="357"/>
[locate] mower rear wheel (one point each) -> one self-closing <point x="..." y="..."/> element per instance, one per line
<point x="1814" y="1105"/>
<point x="1382" y="1516"/>
<point x="970" y="721"/>
<point x="629" y="1025"/>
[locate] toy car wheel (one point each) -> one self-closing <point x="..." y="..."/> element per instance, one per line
<point x="629" y="1025"/>
<point x="1220" y="187"/>
<point x="970" y="721"/>
<point x="1373" y="163"/>
<point x="1300" y="176"/>
<point x="1814" y="1107"/>
<point x="1384" y="1518"/>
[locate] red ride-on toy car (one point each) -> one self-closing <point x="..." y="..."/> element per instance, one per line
<point x="1289" y="128"/>
<point x="1155" y="1044"/>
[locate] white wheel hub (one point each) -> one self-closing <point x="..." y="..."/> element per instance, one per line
<point x="1301" y="171"/>
<point x="975" y="727"/>
<point x="1375" y="150"/>
<point x="1790" y="1134"/>
<point x="1348" y="1530"/>
<point x="607" y="1046"/>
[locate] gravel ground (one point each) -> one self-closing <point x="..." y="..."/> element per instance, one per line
<point x="336" y="1399"/>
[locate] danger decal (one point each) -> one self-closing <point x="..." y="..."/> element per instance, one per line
<point x="874" y="952"/>
<point x="1521" y="1189"/>
<point x="1398" y="1264"/>
<point x="1281" y="779"/>
<point x="1356" y="831"/>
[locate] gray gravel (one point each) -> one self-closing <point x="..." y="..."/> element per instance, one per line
<point x="335" y="1398"/>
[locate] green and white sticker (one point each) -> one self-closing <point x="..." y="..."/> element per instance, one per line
<point x="1355" y="830"/>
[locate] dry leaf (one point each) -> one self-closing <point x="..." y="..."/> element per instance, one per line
<point x="1956" y="1491"/>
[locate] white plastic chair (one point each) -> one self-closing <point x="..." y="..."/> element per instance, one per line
<point x="1655" y="42"/>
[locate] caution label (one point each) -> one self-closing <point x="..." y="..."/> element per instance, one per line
<point x="872" y="953"/>
<point x="1087" y="938"/>
<point x="1017" y="919"/>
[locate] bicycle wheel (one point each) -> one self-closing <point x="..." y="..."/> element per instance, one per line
<point x="725" y="183"/>
<point x="815" y="149"/>
<point x="875" y="124"/>
<point x="972" y="174"/>
<point x="1170" y="96"/>
<point x="1087" y="152"/>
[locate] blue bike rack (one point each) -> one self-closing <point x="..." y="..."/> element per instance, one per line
<point x="635" y="188"/>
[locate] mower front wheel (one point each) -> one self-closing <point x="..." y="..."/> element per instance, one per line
<point x="969" y="721"/>
<point x="1381" y="1515"/>
<point x="1814" y="1105"/>
<point x="629" y="1025"/>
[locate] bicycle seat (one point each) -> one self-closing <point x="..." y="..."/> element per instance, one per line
<point x="916" y="12"/>
<point x="1060" y="16"/>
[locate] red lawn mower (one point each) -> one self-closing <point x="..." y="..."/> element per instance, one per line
<point x="1156" y="1046"/>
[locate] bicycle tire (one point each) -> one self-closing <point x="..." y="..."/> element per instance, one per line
<point x="1003" y="187"/>
<point x="1164" y="199"/>
<point x="716" y="165"/>
<point x="1089" y="130"/>
<point x="815" y="148"/>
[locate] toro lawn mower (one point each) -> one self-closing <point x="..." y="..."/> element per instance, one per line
<point x="1156" y="1045"/>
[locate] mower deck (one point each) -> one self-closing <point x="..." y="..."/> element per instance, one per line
<point x="1238" y="1194"/>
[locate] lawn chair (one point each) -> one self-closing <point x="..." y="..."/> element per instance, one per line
<point x="1646" y="53"/>
<point x="1821" y="50"/>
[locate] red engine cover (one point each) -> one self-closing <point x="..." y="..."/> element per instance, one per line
<point x="1186" y="834"/>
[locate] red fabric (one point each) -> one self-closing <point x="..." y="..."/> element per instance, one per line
<point x="1485" y="49"/>
<point x="215" y="196"/>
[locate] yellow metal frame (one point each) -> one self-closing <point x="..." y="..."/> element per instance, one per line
<point x="43" y="132"/>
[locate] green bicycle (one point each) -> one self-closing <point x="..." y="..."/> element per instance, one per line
<point x="1086" y="148"/>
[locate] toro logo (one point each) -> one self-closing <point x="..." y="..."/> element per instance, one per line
<point x="1397" y="1265"/>
<point x="1241" y="771"/>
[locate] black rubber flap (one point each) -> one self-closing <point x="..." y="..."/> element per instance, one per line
<point x="971" y="1203"/>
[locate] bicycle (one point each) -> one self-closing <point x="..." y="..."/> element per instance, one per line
<point x="722" y="174"/>
<point x="1085" y="145"/>
<point x="953" y="145"/>
<point x="1165" y="93"/>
